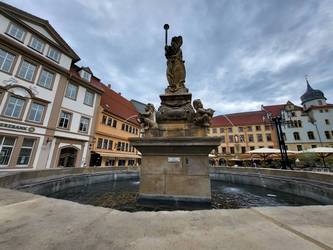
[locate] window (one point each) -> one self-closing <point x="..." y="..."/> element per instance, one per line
<point x="85" y="75"/>
<point x="252" y="148"/>
<point x="89" y="98"/>
<point x="122" y="146"/>
<point x="299" y="123"/>
<point x="240" y="129"/>
<point x="259" y="138"/>
<point x="123" y="126"/>
<point x="268" y="137"/>
<point x="313" y="146"/>
<point x="114" y="124"/>
<point x="64" y="119"/>
<point x="36" y="112"/>
<point x="84" y="124"/>
<point x="243" y="150"/>
<point x="320" y="102"/>
<point x="229" y="130"/>
<point x="267" y="127"/>
<point x="221" y="130"/>
<point x="241" y="138"/>
<point x="6" y="60"/>
<point x="110" y="144"/>
<point x="249" y="128"/>
<point x="327" y="122"/>
<point x="37" y="44"/>
<point x="299" y="148"/>
<point x="214" y="130"/>
<point x="99" y="143"/>
<point x="71" y="91"/>
<point x="53" y="54"/>
<point x="109" y="121"/>
<point x="16" y="32"/>
<point x="321" y="111"/>
<point x="27" y="71"/>
<point x="118" y="145"/>
<point x="223" y="139"/>
<point x="250" y="138"/>
<point x="224" y="150"/>
<point x="126" y="147"/>
<point x="258" y="128"/>
<point x="296" y="136"/>
<point x="327" y="134"/>
<point x="46" y="79"/>
<point x="126" y="128"/>
<point x="232" y="150"/>
<point x="25" y="152"/>
<point x="311" y="135"/>
<point x="6" y="149"/>
<point x="104" y="119"/>
<point x="231" y="138"/>
<point x="105" y="143"/>
<point x="14" y="107"/>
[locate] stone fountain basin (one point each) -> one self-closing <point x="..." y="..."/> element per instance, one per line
<point x="317" y="186"/>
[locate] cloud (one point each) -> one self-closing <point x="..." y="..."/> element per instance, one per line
<point x="238" y="54"/>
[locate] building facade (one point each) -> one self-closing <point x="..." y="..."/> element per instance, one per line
<point x="309" y="125"/>
<point x="47" y="102"/>
<point x="240" y="133"/>
<point x="115" y="124"/>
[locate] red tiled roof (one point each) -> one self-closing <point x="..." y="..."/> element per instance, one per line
<point x="95" y="82"/>
<point x="246" y="118"/>
<point x="118" y="105"/>
<point x="275" y="110"/>
<point x="238" y="119"/>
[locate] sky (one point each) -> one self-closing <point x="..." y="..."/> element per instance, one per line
<point x="238" y="54"/>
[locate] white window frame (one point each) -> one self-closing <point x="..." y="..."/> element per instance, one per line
<point x="11" y="146"/>
<point x="36" y="111"/>
<point x="49" y="77"/>
<point x="87" y="124"/>
<point x="54" y="54"/>
<point x="16" y="32"/>
<point x="26" y="147"/>
<point x="6" y="58"/>
<point x="64" y="117"/>
<point x="39" y="44"/>
<point x="28" y="67"/>
<point x="69" y="94"/>
<point x="15" y="106"/>
<point x="92" y="98"/>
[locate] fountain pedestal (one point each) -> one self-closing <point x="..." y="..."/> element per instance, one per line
<point x="175" y="155"/>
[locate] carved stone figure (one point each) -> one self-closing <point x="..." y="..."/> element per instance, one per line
<point x="175" y="65"/>
<point x="202" y="116"/>
<point x="147" y="118"/>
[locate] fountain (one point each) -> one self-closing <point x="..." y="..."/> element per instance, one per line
<point x="175" y="144"/>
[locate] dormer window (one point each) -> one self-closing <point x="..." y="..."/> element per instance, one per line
<point x="53" y="54"/>
<point x="37" y="44"/>
<point x="85" y="75"/>
<point x="16" y="32"/>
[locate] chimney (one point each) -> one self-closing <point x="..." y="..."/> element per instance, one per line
<point x="109" y="85"/>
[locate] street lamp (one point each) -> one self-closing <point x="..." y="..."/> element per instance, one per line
<point x="277" y="121"/>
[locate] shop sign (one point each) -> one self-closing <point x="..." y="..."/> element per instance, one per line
<point x="17" y="127"/>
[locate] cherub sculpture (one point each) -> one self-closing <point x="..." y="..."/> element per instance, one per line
<point x="147" y="118"/>
<point x="175" y="65"/>
<point x="202" y="116"/>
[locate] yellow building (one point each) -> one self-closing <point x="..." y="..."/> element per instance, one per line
<point x="242" y="132"/>
<point x="115" y="124"/>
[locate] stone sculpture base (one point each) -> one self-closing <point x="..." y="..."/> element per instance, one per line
<point x="175" y="169"/>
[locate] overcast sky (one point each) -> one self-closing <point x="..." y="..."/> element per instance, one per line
<point x="238" y="54"/>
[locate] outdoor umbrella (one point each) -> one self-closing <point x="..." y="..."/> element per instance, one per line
<point x="323" y="152"/>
